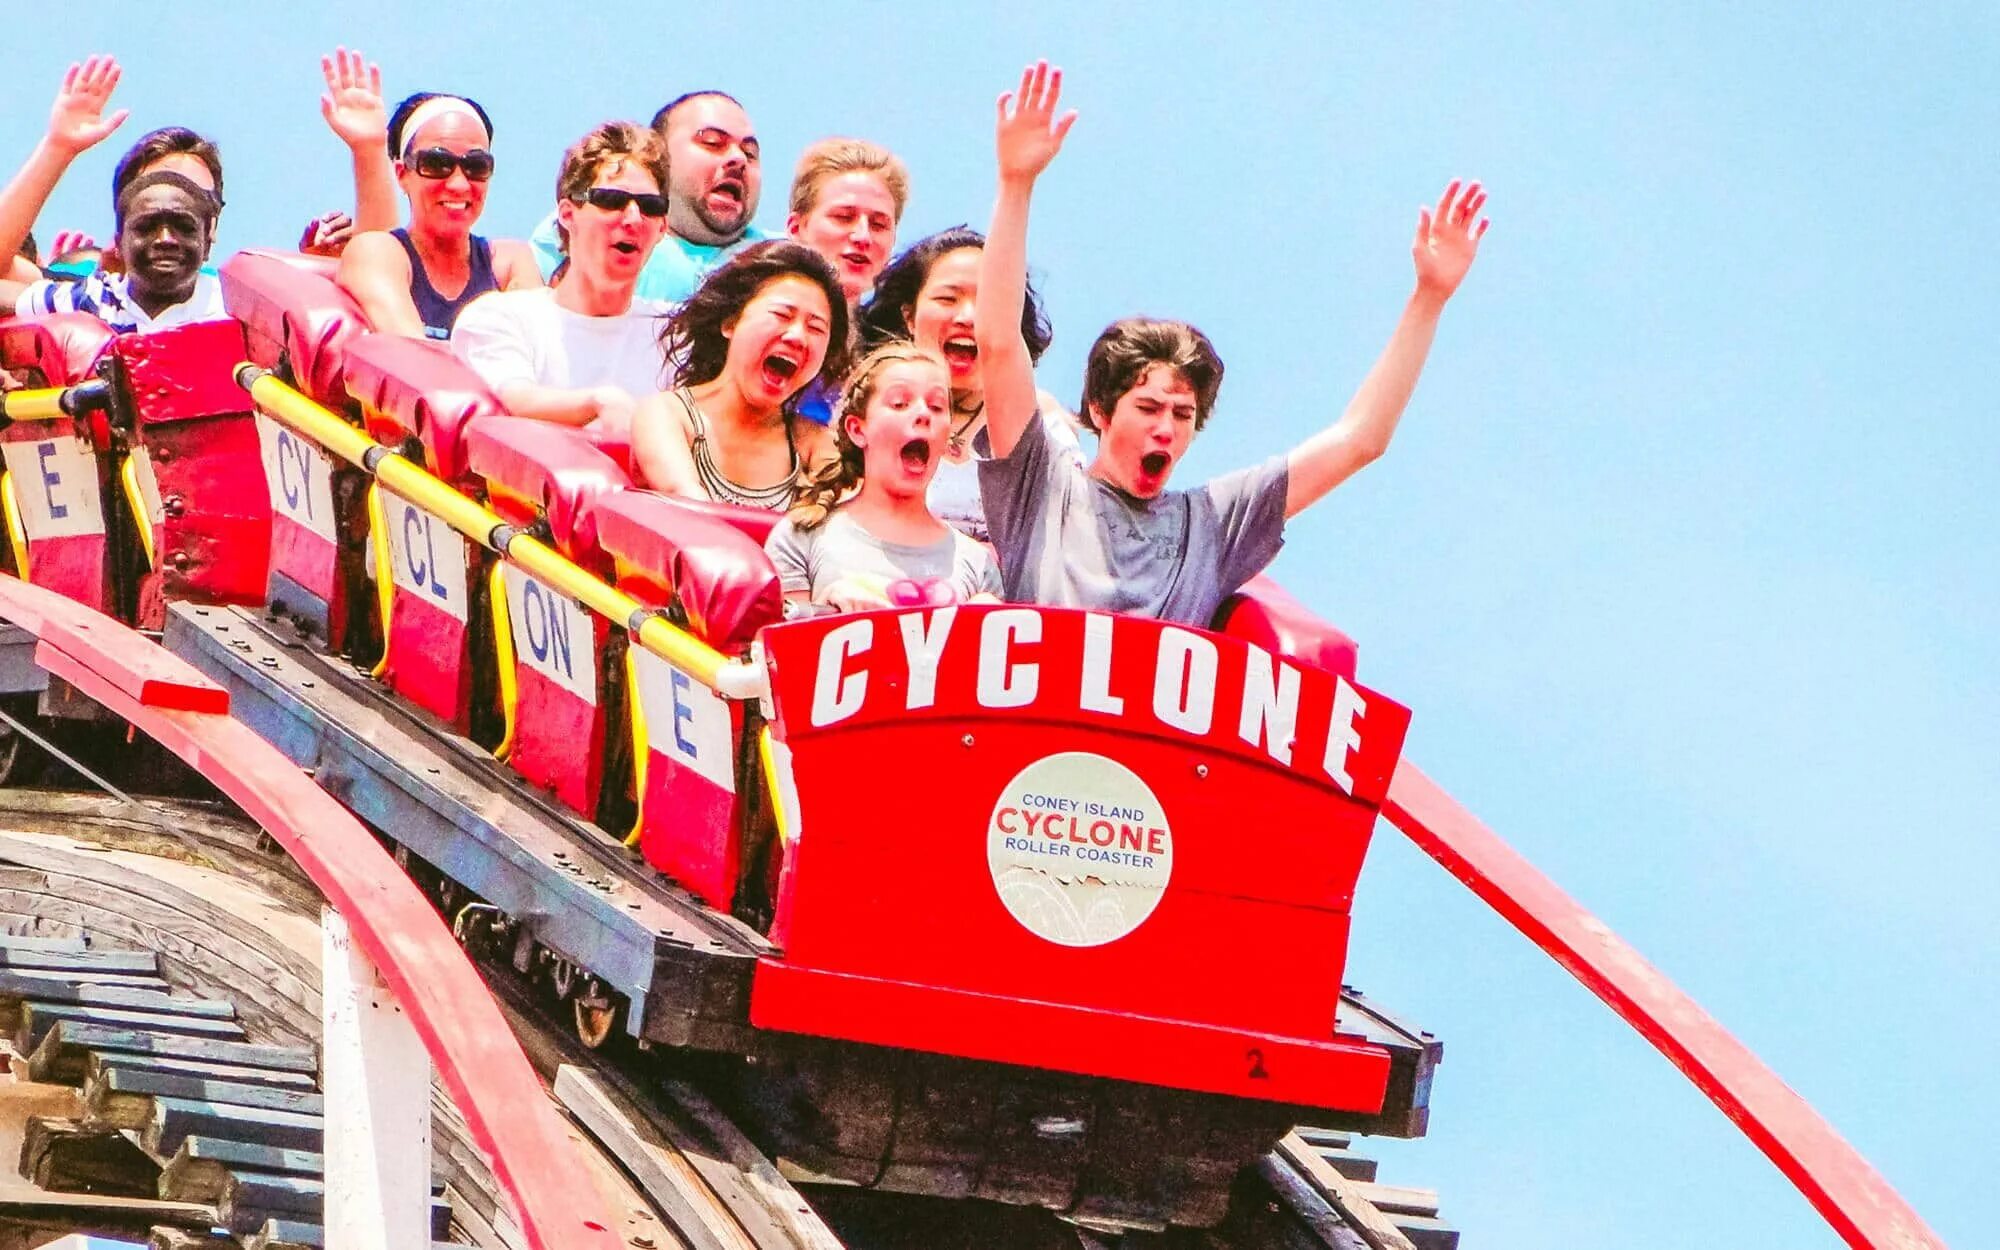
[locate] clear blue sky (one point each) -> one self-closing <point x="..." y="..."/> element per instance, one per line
<point x="1685" y="556"/>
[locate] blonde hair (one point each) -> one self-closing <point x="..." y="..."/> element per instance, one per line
<point x="829" y="158"/>
<point x="837" y="481"/>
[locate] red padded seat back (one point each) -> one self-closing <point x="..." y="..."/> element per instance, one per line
<point x="413" y="388"/>
<point x="60" y="349"/>
<point x="292" y="313"/>
<point x="673" y="551"/>
<point x="1264" y="615"/>
<point x="534" y="469"/>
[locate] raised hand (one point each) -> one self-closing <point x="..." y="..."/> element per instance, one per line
<point x="327" y="234"/>
<point x="1448" y="238"/>
<point x="1025" y="138"/>
<point x="67" y="241"/>
<point x="352" y="104"/>
<point x="77" y="120"/>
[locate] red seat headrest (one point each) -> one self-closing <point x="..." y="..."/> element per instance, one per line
<point x="1264" y="615"/>
<point x="293" y="314"/>
<point x="413" y="388"/>
<point x="671" y="551"/>
<point x="534" y="469"/>
<point x="61" y="348"/>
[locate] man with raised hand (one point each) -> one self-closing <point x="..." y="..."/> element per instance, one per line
<point x="715" y="174"/>
<point x="1112" y="536"/>
<point x="586" y="350"/>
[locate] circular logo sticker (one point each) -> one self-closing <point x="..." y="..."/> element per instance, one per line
<point x="1079" y="849"/>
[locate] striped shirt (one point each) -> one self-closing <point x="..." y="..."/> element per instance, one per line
<point x="108" y="297"/>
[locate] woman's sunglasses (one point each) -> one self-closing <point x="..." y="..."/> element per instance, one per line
<point x="614" y="200"/>
<point x="439" y="162"/>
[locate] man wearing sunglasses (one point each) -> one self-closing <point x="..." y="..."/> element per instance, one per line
<point x="715" y="170"/>
<point x="416" y="280"/>
<point x="586" y="350"/>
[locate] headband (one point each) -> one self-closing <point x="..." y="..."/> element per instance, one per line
<point x="440" y="106"/>
<point x="203" y="197"/>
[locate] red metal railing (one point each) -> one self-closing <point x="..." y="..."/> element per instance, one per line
<point x="1841" y="1185"/>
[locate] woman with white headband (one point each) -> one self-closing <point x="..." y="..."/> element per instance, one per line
<point x="414" y="280"/>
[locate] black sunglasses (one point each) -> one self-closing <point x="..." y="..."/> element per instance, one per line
<point x="614" y="200"/>
<point x="439" y="162"/>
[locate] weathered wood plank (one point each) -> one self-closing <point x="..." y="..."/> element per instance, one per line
<point x="1398" y="1200"/>
<point x="1374" y="1227"/>
<point x="131" y="980"/>
<point x="24" y="942"/>
<point x="250" y="1198"/>
<point x="122" y="1097"/>
<point x="201" y="1166"/>
<point x="99" y="1062"/>
<point x="67" y="1156"/>
<point x="19" y="989"/>
<point x="297" y="1235"/>
<point x="176" y="1119"/>
<point x="61" y="1054"/>
<point x="38" y="1018"/>
<point x="663" y="1173"/>
<point x="15" y="958"/>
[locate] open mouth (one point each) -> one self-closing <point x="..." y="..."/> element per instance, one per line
<point x="857" y="261"/>
<point x="961" y="355"/>
<point x="625" y="247"/>
<point x="779" y="371"/>
<point x="726" y="197"/>
<point x="1154" y="463"/>
<point x="916" y="455"/>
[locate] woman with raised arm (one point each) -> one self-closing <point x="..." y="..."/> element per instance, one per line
<point x="1113" y="536"/>
<point x="744" y="347"/>
<point x="861" y="535"/>
<point x="414" y="280"/>
<point x="928" y="296"/>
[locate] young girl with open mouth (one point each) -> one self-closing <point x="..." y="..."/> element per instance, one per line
<point x="863" y="535"/>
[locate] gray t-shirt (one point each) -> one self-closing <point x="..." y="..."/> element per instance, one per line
<point x="813" y="560"/>
<point x="1068" y="540"/>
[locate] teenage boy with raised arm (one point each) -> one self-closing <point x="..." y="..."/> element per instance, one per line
<point x="1112" y="536"/>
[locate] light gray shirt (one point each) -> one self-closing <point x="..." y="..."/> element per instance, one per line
<point x="1069" y="540"/>
<point x="837" y="548"/>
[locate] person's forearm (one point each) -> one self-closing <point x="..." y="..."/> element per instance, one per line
<point x="29" y="191"/>
<point x="1363" y="431"/>
<point x="549" y="403"/>
<point x="1003" y="291"/>
<point x="374" y="190"/>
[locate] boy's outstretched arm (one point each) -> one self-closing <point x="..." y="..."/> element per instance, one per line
<point x="1446" y="243"/>
<point x="76" y="123"/>
<point x="1025" y="141"/>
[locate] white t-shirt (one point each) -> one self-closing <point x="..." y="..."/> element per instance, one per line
<point x="108" y="297"/>
<point x="525" y="336"/>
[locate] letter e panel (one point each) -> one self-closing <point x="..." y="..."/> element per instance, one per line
<point x="54" y="502"/>
<point x="1013" y="820"/>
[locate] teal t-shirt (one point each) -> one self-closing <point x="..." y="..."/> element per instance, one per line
<point x="672" y="272"/>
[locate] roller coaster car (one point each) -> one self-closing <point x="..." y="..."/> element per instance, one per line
<point x="1022" y="903"/>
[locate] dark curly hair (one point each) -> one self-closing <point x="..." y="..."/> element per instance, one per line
<point x="692" y="337"/>
<point x="887" y="316"/>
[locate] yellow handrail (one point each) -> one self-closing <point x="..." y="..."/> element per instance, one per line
<point x="41" y="404"/>
<point x="732" y="679"/>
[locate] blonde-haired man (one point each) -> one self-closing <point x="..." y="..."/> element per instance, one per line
<point x="847" y="199"/>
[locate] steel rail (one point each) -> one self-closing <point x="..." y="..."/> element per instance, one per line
<point x="1849" y="1194"/>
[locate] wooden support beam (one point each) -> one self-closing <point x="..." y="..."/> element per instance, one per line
<point x="176" y="1119"/>
<point x="61" y="1055"/>
<point x="99" y="1062"/>
<point x="122" y="1097"/>
<point x="1374" y="1227"/>
<point x="17" y="989"/>
<point x="201" y="1168"/>
<point x="65" y="1155"/>
<point x="38" y="1018"/>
